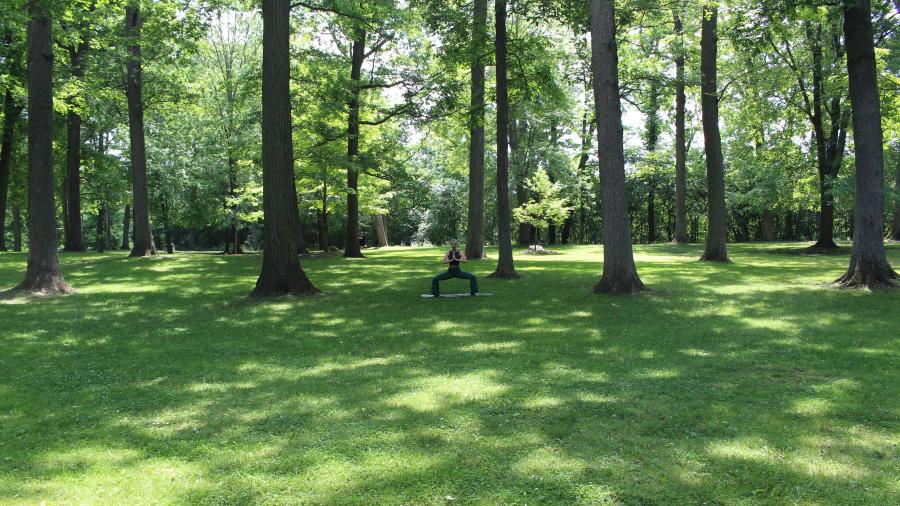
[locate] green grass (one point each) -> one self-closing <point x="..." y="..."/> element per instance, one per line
<point x="160" y="382"/>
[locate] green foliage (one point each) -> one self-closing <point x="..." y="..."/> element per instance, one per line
<point x="546" y="205"/>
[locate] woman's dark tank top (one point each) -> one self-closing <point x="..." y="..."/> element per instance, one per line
<point x="454" y="257"/>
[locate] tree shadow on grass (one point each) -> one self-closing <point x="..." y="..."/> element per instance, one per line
<point x="722" y="390"/>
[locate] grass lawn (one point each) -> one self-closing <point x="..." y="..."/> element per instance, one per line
<point x="160" y="382"/>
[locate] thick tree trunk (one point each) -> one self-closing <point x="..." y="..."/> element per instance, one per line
<point x="505" y="268"/>
<point x="43" y="274"/>
<point x="74" y="240"/>
<point x="11" y="113"/>
<point x="619" y="272"/>
<point x="352" y="248"/>
<point x="126" y="228"/>
<point x="475" y="227"/>
<point x="681" y="235"/>
<point x="143" y="237"/>
<point x="716" y="249"/>
<point x="381" y="230"/>
<point x="868" y="264"/>
<point x="281" y="273"/>
<point x="17" y="226"/>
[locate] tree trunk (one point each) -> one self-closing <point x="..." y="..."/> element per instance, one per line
<point x="235" y="229"/>
<point x="74" y="240"/>
<point x="143" y="237"/>
<point x="619" y="272"/>
<point x="11" y="113"/>
<point x="126" y="228"/>
<point x="381" y="230"/>
<point x="767" y="225"/>
<point x="281" y="273"/>
<point x="43" y="274"/>
<point x="323" y="231"/>
<point x="681" y="236"/>
<point x="567" y="228"/>
<point x="167" y="227"/>
<point x="895" y="223"/>
<point x="505" y="268"/>
<point x="352" y="248"/>
<point x="868" y="264"/>
<point x="17" y="226"/>
<point x="475" y="227"/>
<point x="101" y="235"/>
<point x="716" y="249"/>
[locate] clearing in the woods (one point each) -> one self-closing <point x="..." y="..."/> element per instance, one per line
<point x="160" y="381"/>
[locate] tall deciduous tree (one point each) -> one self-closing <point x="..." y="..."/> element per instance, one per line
<point x="358" y="54"/>
<point x="681" y="235"/>
<point x="475" y="231"/>
<point x="281" y="273"/>
<point x="505" y="268"/>
<point x="74" y="230"/>
<point x="143" y="237"/>
<point x="868" y="264"/>
<point x="716" y="249"/>
<point x="12" y="110"/>
<point x="619" y="272"/>
<point x="43" y="274"/>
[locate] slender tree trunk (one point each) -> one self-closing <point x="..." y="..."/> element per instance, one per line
<point x="895" y="223"/>
<point x="868" y="264"/>
<point x="167" y="227"/>
<point x="505" y="268"/>
<point x="681" y="236"/>
<point x="281" y="273"/>
<point x="352" y="248"/>
<point x="381" y="230"/>
<point x="235" y="232"/>
<point x="74" y="240"/>
<point x="17" y="226"/>
<point x="101" y="236"/>
<point x="143" y="236"/>
<point x="11" y="113"/>
<point x="43" y="274"/>
<point x="475" y="227"/>
<point x="716" y="249"/>
<point x="107" y="226"/>
<point x="619" y="273"/>
<point x="126" y="228"/>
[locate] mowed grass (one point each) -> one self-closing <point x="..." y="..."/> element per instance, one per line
<point x="160" y="382"/>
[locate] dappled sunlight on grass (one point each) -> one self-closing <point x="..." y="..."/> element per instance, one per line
<point x="743" y="383"/>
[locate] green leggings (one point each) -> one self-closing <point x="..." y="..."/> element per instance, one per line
<point x="454" y="272"/>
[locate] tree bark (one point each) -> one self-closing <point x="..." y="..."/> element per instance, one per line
<point x="767" y="225"/>
<point x="619" y="272"/>
<point x="869" y="266"/>
<point x="681" y="236"/>
<point x="716" y="249"/>
<point x="352" y="248"/>
<point x="475" y="227"/>
<point x="74" y="240"/>
<point x="11" y="114"/>
<point x="126" y="228"/>
<point x="895" y="223"/>
<point x="143" y="237"/>
<point x="101" y="245"/>
<point x="381" y="230"/>
<point x="17" y="226"/>
<point x="281" y="273"/>
<point x="43" y="274"/>
<point x="505" y="268"/>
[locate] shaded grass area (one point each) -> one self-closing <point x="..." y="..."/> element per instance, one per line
<point x="160" y="381"/>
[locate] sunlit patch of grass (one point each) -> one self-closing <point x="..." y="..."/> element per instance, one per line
<point x="159" y="381"/>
